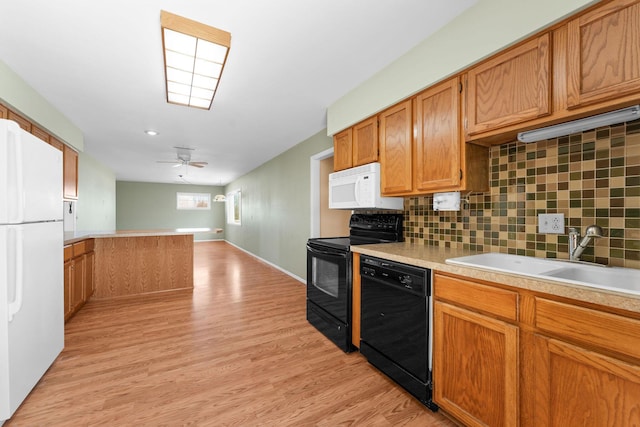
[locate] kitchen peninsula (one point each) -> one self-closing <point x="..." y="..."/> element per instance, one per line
<point x="135" y="262"/>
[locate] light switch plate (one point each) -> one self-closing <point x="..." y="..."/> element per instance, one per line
<point x="551" y="223"/>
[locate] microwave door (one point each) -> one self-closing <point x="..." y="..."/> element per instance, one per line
<point x="357" y="189"/>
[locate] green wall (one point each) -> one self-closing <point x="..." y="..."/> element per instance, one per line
<point x="276" y="207"/>
<point x="483" y="29"/>
<point x="18" y="94"/>
<point x="143" y="205"/>
<point x="96" y="206"/>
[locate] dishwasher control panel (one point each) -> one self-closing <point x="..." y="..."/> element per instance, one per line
<point x="414" y="279"/>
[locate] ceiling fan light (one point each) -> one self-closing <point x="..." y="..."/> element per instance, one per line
<point x="194" y="55"/>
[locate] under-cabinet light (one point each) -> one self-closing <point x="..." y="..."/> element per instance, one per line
<point x="606" y="119"/>
<point x="194" y="57"/>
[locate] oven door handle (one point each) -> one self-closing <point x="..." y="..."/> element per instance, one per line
<point x="327" y="253"/>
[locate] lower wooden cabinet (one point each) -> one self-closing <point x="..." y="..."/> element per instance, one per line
<point x="475" y="357"/>
<point x="506" y="356"/>
<point x="78" y="276"/>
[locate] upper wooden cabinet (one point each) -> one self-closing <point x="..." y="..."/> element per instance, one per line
<point x="37" y="132"/>
<point x="512" y="87"/>
<point x="56" y="143"/>
<point x="365" y="142"/>
<point x="70" y="161"/>
<point x="343" y="150"/>
<point x="3" y="112"/>
<point x="396" y="132"/>
<point x="356" y="146"/>
<point x="602" y="54"/>
<point x="22" y="122"/>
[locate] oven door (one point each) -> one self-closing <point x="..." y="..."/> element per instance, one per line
<point x="329" y="280"/>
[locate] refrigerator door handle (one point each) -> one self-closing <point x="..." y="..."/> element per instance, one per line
<point x="16" y="304"/>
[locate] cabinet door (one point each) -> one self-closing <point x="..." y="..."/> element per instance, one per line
<point x="77" y="283"/>
<point x="88" y="276"/>
<point x="365" y="142"/>
<point x="396" y="131"/>
<point x="342" y="150"/>
<point x="509" y="89"/>
<point x="70" y="160"/>
<point x="68" y="279"/>
<point x="577" y="387"/>
<point x="3" y="112"/>
<point x="437" y="156"/>
<point x="603" y="61"/>
<point x="475" y="367"/>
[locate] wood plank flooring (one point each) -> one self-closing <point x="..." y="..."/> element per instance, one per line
<point x="235" y="351"/>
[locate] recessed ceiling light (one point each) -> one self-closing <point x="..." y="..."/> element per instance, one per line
<point x="151" y="132"/>
<point x="194" y="57"/>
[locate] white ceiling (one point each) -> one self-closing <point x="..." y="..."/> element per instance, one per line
<point x="100" y="63"/>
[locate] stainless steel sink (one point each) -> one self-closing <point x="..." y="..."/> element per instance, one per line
<point x="613" y="278"/>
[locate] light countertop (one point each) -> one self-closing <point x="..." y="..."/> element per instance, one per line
<point x="73" y="237"/>
<point x="434" y="258"/>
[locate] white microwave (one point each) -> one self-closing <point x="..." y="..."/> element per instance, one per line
<point x="359" y="188"/>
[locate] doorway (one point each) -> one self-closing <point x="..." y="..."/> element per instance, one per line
<point x="325" y="222"/>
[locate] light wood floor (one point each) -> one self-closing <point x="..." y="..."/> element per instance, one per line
<point x="236" y="351"/>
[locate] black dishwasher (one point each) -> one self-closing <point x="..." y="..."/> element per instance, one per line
<point x="395" y="323"/>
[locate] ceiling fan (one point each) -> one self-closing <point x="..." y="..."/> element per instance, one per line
<point x="183" y="158"/>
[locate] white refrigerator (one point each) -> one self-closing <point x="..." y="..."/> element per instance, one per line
<point x="31" y="263"/>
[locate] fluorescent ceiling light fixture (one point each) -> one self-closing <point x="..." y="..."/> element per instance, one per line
<point x="606" y="119"/>
<point x="151" y="132"/>
<point x="194" y="57"/>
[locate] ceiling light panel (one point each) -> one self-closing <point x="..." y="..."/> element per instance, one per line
<point x="194" y="57"/>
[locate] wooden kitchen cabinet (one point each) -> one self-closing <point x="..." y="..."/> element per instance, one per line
<point x="586" y="363"/>
<point x="365" y="142"/>
<point x="602" y="54"/>
<point x="443" y="161"/>
<point x="22" y="122"/>
<point x="70" y="161"/>
<point x="510" y="356"/>
<point x="356" y="146"/>
<point x="78" y="276"/>
<point x="343" y="150"/>
<point x="39" y="133"/>
<point x="3" y="112"/>
<point x="511" y="88"/>
<point x="396" y="136"/>
<point x="476" y="352"/>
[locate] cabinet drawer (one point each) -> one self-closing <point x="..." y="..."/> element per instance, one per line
<point x="68" y="252"/>
<point x="500" y="302"/>
<point x="606" y="330"/>
<point x="79" y="248"/>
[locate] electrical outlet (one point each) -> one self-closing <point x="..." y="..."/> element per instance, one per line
<point x="551" y="223"/>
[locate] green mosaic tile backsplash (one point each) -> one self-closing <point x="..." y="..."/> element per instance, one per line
<point x="592" y="178"/>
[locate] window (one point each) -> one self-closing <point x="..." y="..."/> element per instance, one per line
<point x="234" y="203"/>
<point x="193" y="201"/>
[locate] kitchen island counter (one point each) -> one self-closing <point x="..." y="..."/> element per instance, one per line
<point x="137" y="262"/>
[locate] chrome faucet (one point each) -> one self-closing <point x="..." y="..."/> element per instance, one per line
<point x="575" y="248"/>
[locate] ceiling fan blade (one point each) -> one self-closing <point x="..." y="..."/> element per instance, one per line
<point x="169" y="161"/>
<point x="198" y="164"/>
